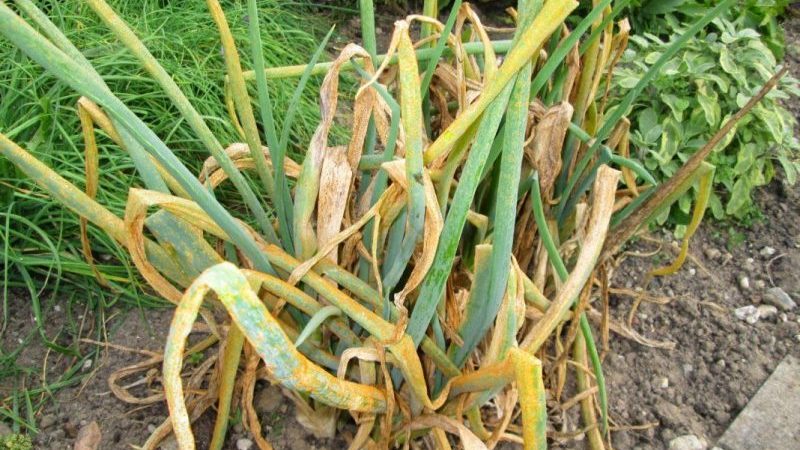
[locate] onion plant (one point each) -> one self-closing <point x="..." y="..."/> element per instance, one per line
<point x="444" y="259"/>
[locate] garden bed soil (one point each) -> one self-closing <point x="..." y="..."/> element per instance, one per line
<point x="655" y="395"/>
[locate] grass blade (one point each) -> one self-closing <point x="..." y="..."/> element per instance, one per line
<point x="67" y="70"/>
<point x="182" y="103"/>
<point x="77" y="201"/>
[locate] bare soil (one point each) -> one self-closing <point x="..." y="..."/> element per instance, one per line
<point x="719" y="361"/>
<point x="124" y="425"/>
<point x="717" y="364"/>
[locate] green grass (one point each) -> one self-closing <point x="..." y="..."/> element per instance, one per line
<point x="40" y="113"/>
<point x="41" y="250"/>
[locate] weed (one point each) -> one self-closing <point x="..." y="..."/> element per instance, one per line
<point x="15" y="442"/>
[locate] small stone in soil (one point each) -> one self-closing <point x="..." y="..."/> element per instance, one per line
<point x="712" y="253"/>
<point x="688" y="442"/>
<point x="86" y="365"/>
<point x="744" y="283"/>
<point x="747" y="313"/>
<point x="767" y="251"/>
<point x="244" y="444"/>
<point x="88" y="437"/>
<point x="767" y="311"/>
<point x="778" y="297"/>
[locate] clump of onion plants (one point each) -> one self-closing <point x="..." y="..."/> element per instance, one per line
<point x="445" y="259"/>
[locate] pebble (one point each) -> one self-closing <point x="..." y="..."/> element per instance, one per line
<point x="86" y="365"/>
<point x="744" y="283"/>
<point x="747" y="313"/>
<point x="151" y="428"/>
<point x="244" y="444"/>
<point x="778" y="297"/>
<point x="692" y="271"/>
<point x="89" y="437"/>
<point x="47" y="421"/>
<point x="767" y="251"/>
<point x="687" y="369"/>
<point x="767" y="311"/>
<point x="712" y="253"/>
<point x="688" y="442"/>
<point x="663" y="382"/>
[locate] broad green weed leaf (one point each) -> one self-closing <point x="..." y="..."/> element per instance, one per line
<point x="740" y="197"/>
<point x="790" y="169"/>
<point x="709" y="102"/>
<point x="745" y="159"/>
